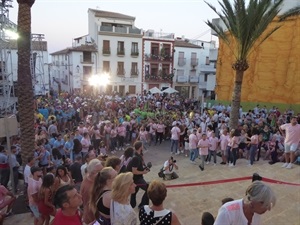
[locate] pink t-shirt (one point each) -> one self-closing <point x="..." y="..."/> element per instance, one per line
<point x="254" y="139"/>
<point x="33" y="188"/>
<point x="175" y="133"/>
<point x="160" y="128"/>
<point x="203" y="146"/>
<point x="121" y="131"/>
<point x="193" y="141"/>
<point x="292" y="133"/>
<point x="143" y="135"/>
<point x="213" y="141"/>
<point x="224" y="139"/>
<point x="113" y="133"/>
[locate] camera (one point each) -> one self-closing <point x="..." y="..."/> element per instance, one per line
<point x="148" y="166"/>
<point x="173" y="160"/>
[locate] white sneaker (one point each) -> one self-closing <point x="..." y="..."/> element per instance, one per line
<point x="215" y="164"/>
<point x="207" y="163"/>
<point x="177" y="153"/>
<point x="289" y="166"/>
<point x="231" y="165"/>
<point x="284" y="165"/>
<point x="193" y="162"/>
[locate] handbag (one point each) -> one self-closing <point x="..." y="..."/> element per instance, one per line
<point x="161" y="173"/>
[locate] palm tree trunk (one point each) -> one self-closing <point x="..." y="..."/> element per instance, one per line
<point x="25" y="87"/>
<point x="236" y="99"/>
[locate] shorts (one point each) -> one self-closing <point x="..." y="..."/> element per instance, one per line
<point x="290" y="148"/>
<point x="35" y="211"/>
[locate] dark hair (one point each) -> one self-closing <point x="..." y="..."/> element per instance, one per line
<point x="29" y="159"/>
<point x="137" y="145"/>
<point x="128" y="152"/>
<point x="56" y="154"/>
<point x="112" y="161"/>
<point x="61" y="168"/>
<point x="225" y="200"/>
<point x="207" y="219"/>
<point x="61" y="195"/>
<point x="48" y="180"/>
<point x="77" y="147"/>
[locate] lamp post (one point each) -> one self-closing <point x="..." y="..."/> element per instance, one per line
<point x="99" y="80"/>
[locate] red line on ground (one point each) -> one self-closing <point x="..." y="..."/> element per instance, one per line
<point x="228" y="181"/>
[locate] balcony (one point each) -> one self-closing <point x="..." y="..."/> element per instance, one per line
<point x="122" y="30"/>
<point x="105" y="51"/>
<point x="194" y="62"/>
<point x="121" y="51"/>
<point x="86" y="60"/>
<point x="159" y="78"/>
<point x="209" y="68"/>
<point x="153" y="57"/>
<point x="134" y="72"/>
<point x="203" y="85"/>
<point x="134" y="53"/>
<point x="167" y="58"/>
<point x="194" y="79"/>
<point x="181" y="61"/>
<point x="182" y="79"/>
<point x="121" y="72"/>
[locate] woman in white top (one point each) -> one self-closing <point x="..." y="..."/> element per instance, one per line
<point x="121" y="212"/>
<point x="259" y="199"/>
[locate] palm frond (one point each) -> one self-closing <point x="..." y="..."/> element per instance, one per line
<point x="290" y="13"/>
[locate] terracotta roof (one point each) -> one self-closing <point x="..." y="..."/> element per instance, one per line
<point x="185" y="44"/>
<point x="36" y="45"/>
<point x="81" y="48"/>
<point x="100" y="13"/>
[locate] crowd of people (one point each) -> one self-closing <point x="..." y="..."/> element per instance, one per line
<point x="74" y="161"/>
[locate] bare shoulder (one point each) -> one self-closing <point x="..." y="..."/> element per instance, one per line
<point x="175" y="220"/>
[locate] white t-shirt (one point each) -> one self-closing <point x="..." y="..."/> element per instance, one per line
<point x="27" y="173"/>
<point x="175" y="133"/>
<point x="122" y="214"/>
<point x="231" y="213"/>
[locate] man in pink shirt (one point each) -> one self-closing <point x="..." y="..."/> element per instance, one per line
<point x="203" y="150"/>
<point x="213" y="144"/>
<point x="291" y="141"/>
<point x="175" y="134"/>
<point x="193" y="141"/>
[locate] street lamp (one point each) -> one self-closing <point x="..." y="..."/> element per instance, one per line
<point x="99" y="80"/>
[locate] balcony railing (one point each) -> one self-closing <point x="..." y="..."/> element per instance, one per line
<point x="181" y="61"/>
<point x="159" y="78"/>
<point x="153" y="57"/>
<point x="106" y="51"/>
<point x="194" y="62"/>
<point x="121" y="51"/>
<point x="124" y="30"/>
<point x="121" y="72"/>
<point x="194" y="79"/>
<point x="207" y="68"/>
<point x="86" y="60"/>
<point x="182" y="79"/>
<point x="135" y="52"/>
<point x="134" y="72"/>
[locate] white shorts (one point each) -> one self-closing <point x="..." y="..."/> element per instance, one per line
<point x="290" y="148"/>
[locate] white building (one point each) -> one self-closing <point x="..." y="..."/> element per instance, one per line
<point x="194" y="67"/>
<point x="72" y="67"/>
<point x="119" y="50"/>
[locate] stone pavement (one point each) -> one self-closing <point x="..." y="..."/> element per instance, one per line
<point x="189" y="202"/>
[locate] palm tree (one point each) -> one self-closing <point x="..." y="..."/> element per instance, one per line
<point x="246" y="27"/>
<point x="25" y="88"/>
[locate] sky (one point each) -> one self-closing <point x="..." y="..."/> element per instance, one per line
<point x="63" y="20"/>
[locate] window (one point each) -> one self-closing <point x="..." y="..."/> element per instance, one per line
<point x="155" y="49"/>
<point x="180" y="72"/>
<point x="131" y="89"/>
<point x="134" y="48"/>
<point x="206" y="77"/>
<point x="154" y="69"/>
<point x="120" y="70"/>
<point x="121" y="49"/>
<point x="166" y="69"/>
<point x="207" y="60"/>
<point x="87" y="70"/>
<point x="106" y="47"/>
<point x="106" y="66"/>
<point x="134" y="68"/>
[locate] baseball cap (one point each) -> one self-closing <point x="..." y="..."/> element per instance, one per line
<point x="35" y="169"/>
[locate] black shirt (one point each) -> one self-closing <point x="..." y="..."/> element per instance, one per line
<point x="138" y="162"/>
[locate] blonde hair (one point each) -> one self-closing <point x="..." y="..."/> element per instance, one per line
<point x="120" y="187"/>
